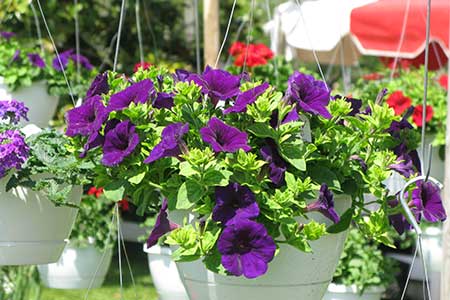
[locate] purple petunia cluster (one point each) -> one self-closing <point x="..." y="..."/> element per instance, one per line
<point x="68" y="55"/>
<point x="13" y="151"/>
<point x="13" y="110"/>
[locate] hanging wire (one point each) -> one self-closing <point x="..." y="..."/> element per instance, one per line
<point x="408" y="278"/>
<point x="139" y="31"/>
<point x="402" y="38"/>
<point x="128" y="263"/>
<point x="275" y="61"/>
<point x="119" y="33"/>
<point x="56" y="51"/>
<point x="226" y="34"/>
<point x="249" y="35"/>
<point x="38" y="27"/>
<point x="236" y="38"/>
<point x="119" y="235"/>
<point x="197" y="37"/>
<point x="77" y="40"/>
<point x="152" y="33"/>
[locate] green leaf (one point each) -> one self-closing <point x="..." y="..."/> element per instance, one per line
<point x="263" y="130"/>
<point x="313" y="230"/>
<point x="213" y="262"/>
<point x="188" y="193"/>
<point x="294" y="154"/>
<point x="323" y="174"/>
<point x="136" y="179"/>
<point x="343" y="223"/>
<point x="114" y="190"/>
<point x="216" y="178"/>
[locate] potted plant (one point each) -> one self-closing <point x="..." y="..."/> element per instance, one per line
<point x="363" y="272"/>
<point x="86" y="258"/>
<point x="22" y="76"/>
<point x="39" y="188"/>
<point x="258" y="207"/>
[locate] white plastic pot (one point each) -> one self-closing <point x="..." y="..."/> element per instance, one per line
<point x="33" y="230"/>
<point x="42" y="106"/>
<point x="291" y="275"/>
<point x="78" y="268"/>
<point x="432" y="247"/>
<point x="342" y="292"/>
<point x="165" y="274"/>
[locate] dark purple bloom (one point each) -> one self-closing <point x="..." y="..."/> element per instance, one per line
<point x="398" y="126"/>
<point x="171" y="144"/>
<point x="217" y="84"/>
<point x="82" y="60"/>
<point x="325" y="204"/>
<point x="163" y="100"/>
<point x="402" y="151"/>
<point x="87" y="118"/>
<point x="99" y="85"/>
<point x="224" y="138"/>
<point x="95" y="138"/>
<point x="277" y="166"/>
<point x="16" y="55"/>
<point x="292" y="116"/>
<point x="13" y="151"/>
<point x="309" y="94"/>
<point x="137" y="93"/>
<point x="181" y="75"/>
<point x="162" y="226"/>
<point x="64" y="57"/>
<point x="7" y="34"/>
<point x="234" y="202"/>
<point x="119" y="143"/>
<point x="355" y="105"/>
<point x="13" y="110"/>
<point x="36" y="60"/>
<point x="404" y="166"/>
<point x="427" y="200"/>
<point x="246" y="98"/>
<point x="246" y="248"/>
<point x="398" y="221"/>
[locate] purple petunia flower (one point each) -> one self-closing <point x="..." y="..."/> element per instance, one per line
<point x="224" y="138"/>
<point x="246" y="98"/>
<point x="401" y="151"/>
<point x="119" y="143"/>
<point x="162" y="226"/>
<point x="163" y="100"/>
<point x="234" y="202"/>
<point x="13" y="110"/>
<point x="404" y="166"/>
<point x="7" y="34"/>
<point x="16" y="55"/>
<point x="99" y="85"/>
<point x="82" y="60"/>
<point x="246" y="248"/>
<point x="277" y="166"/>
<point x="292" y="116"/>
<point x="309" y="94"/>
<point x="139" y="92"/>
<point x="427" y="201"/>
<point x="355" y="104"/>
<point x="64" y="57"/>
<point x="87" y="118"/>
<point x="398" y="221"/>
<point x="171" y="144"/>
<point x="36" y="60"/>
<point x="217" y="84"/>
<point x="181" y="75"/>
<point x="95" y="138"/>
<point x="13" y="151"/>
<point x="325" y="204"/>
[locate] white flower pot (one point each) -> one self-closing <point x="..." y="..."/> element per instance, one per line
<point x="292" y="273"/>
<point x="165" y="274"/>
<point x="78" y="268"/>
<point x="432" y="248"/>
<point x="342" y="292"/>
<point x="33" y="229"/>
<point x="42" y="106"/>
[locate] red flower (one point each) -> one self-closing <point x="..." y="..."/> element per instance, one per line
<point x="236" y="48"/>
<point x="443" y="81"/>
<point x="124" y="205"/>
<point x="257" y="54"/>
<point x="417" y="115"/>
<point x="398" y="102"/>
<point x="97" y="192"/>
<point x="253" y="60"/>
<point x="372" y="76"/>
<point x="262" y="50"/>
<point x="145" y="65"/>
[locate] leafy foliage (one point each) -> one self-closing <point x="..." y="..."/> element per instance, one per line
<point x="19" y="283"/>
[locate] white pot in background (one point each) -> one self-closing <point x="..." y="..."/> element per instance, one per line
<point x="33" y="230"/>
<point x="432" y="248"/>
<point x="291" y="275"/>
<point x="165" y="274"/>
<point x="78" y="268"/>
<point x="342" y="292"/>
<point x="437" y="164"/>
<point x="42" y="106"/>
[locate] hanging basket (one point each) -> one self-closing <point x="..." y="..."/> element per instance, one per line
<point x="78" y="268"/>
<point x="291" y="274"/>
<point x="342" y="292"/>
<point x="33" y="229"/>
<point x="42" y="106"/>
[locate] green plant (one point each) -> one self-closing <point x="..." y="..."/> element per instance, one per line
<point x="19" y="283"/>
<point x="363" y="265"/>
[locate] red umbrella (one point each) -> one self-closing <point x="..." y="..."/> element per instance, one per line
<point x="396" y="28"/>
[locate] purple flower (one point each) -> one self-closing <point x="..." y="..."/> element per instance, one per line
<point x="119" y="143"/>
<point x="7" y="34"/>
<point x="87" y="118"/>
<point x="404" y="166"/>
<point x="427" y="200"/>
<point x="277" y="166"/>
<point x="246" y="248"/>
<point x="36" y="60"/>
<point x="13" y="151"/>
<point x="162" y="226"/>
<point x="398" y="221"/>
<point x="397" y="127"/>
<point x="163" y="100"/>
<point x="171" y="142"/>
<point x="64" y="57"/>
<point x="234" y="202"/>
<point x="136" y="93"/>
<point x="99" y="85"/>
<point x="246" y="98"/>
<point x="224" y="138"/>
<point x="82" y="60"/>
<point x="16" y="55"/>
<point x="95" y="138"/>
<point x="181" y="75"/>
<point x="13" y="110"/>
<point x="292" y="116"/>
<point x="309" y="94"/>
<point x="402" y="152"/>
<point x="325" y="204"/>
<point x="217" y="84"/>
<point x="355" y="104"/>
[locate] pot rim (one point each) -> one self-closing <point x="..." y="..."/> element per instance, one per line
<point x="343" y="289"/>
<point x="158" y="250"/>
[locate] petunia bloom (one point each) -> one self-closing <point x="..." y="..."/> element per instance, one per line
<point x="13" y="110"/>
<point x="171" y="143"/>
<point x="7" y="34"/>
<point x="82" y="60"/>
<point x="119" y="143"/>
<point x="181" y="75"/>
<point x="86" y="118"/>
<point x="277" y="166"/>
<point x="13" y="151"/>
<point x="144" y="65"/>
<point x="16" y="55"/>
<point x="224" y="138"/>
<point x="398" y="221"/>
<point x="99" y="85"/>
<point x="404" y="166"/>
<point x="417" y="115"/>
<point x="61" y="63"/>
<point x="93" y="191"/>
<point x="163" y="100"/>
<point x="246" y="248"/>
<point x="36" y="60"/>
<point x="443" y="81"/>
<point x="428" y="202"/>
<point x="234" y="202"/>
<point x="325" y="204"/>
<point x="139" y="92"/>
<point x="310" y="95"/>
<point x="124" y="205"/>
<point x="236" y="48"/>
<point x="399" y="102"/>
<point x="162" y="226"/>
<point x="247" y="98"/>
